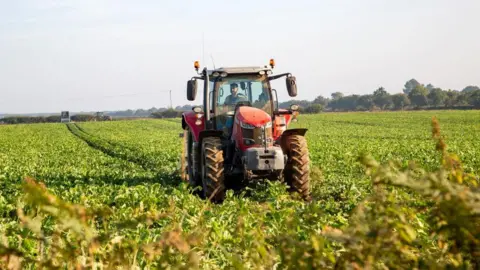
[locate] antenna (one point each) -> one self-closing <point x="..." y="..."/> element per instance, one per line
<point x="213" y="62"/>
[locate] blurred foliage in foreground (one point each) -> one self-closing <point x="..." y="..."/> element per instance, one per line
<point x="413" y="219"/>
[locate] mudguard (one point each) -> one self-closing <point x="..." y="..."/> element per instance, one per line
<point x="289" y="132"/>
<point x="295" y="131"/>
<point x="188" y="121"/>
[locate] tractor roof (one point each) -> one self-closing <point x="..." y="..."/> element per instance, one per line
<point x="239" y="70"/>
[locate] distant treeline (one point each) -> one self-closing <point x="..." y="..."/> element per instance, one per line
<point x="29" y="119"/>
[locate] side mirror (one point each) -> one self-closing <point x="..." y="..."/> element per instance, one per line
<point x="291" y="86"/>
<point x="191" y="89"/>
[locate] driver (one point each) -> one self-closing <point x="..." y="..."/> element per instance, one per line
<point x="235" y="96"/>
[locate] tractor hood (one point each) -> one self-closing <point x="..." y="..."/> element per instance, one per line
<point x="252" y="116"/>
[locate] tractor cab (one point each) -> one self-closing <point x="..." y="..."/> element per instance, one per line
<point x="227" y="88"/>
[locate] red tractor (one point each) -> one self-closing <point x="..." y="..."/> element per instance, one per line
<point x="240" y="135"/>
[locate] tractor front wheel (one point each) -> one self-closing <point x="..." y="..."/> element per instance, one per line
<point x="212" y="169"/>
<point x="297" y="171"/>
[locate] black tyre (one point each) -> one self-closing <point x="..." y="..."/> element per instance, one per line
<point x="297" y="170"/>
<point x="212" y="169"/>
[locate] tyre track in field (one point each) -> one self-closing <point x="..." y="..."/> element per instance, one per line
<point x="111" y="149"/>
<point x="112" y="144"/>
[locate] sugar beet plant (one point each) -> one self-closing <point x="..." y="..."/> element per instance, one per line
<point x="373" y="211"/>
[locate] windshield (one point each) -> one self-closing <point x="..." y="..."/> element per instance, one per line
<point x="248" y="88"/>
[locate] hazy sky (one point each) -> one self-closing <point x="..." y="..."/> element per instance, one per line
<point x="107" y="55"/>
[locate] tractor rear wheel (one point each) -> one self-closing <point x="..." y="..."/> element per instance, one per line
<point x="212" y="169"/>
<point x="297" y="171"/>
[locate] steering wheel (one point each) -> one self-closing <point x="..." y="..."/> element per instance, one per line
<point x="243" y="103"/>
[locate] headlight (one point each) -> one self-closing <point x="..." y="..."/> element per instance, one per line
<point x="268" y="125"/>
<point x="197" y="109"/>
<point x="247" y="126"/>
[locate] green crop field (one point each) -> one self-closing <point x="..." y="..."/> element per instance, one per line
<point x="103" y="195"/>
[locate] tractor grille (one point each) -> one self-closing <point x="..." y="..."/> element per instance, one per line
<point x="247" y="133"/>
<point x="255" y="135"/>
